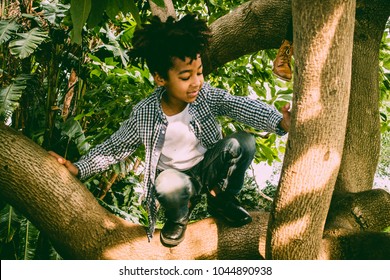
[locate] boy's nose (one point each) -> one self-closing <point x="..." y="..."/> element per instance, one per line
<point x="197" y="80"/>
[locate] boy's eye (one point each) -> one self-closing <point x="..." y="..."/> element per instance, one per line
<point x="186" y="78"/>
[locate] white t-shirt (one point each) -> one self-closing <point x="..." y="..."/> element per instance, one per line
<point x="181" y="150"/>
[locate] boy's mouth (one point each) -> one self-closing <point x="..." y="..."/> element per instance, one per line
<point x="193" y="94"/>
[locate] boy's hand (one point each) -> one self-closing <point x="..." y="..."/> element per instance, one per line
<point x="286" y="121"/>
<point x="71" y="167"/>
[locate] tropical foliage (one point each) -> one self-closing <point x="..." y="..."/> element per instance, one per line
<point x="68" y="86"/>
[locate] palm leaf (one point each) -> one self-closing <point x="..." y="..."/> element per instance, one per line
<point x="27" y="43"/>
<point x="54" y="12"/>
<point x="7" y="29"/>
<point x="29" y="236"/>
<point x="9" y="224"/>
<point x="97" y="10"/>
<point x="9" y="96"/>
<point x="74" y="131"/>
<point x="114" y="46"/>
<point x="129" y="6"/>
<point x="79" y="11"/>
<point x="118" y="212"/>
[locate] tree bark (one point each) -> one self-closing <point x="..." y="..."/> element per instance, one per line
<point x="245" y="30"/>
<point x="79" y="228"/>
<point x="323" y="34"/>
<point x="253" y="26"/>
<point x="163" y="12"/>
<point x="362" y="142"/>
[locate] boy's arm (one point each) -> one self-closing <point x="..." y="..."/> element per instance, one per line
<point x="286" y="121"/>
<point x="254" y="113"/>
<point x="116" y="148"/>
<point x="71" y="167"/>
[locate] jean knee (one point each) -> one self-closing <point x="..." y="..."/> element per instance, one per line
<point x="171" y="182"/>
<point x="243" y="143"/>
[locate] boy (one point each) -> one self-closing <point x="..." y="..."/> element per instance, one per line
<point x="185" y="153"/>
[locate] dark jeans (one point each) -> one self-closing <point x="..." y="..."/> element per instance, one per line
<point x="223" y="166"/>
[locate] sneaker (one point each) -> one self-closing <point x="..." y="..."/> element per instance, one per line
<point x="226" y="206"/>
<point x="282" y="62"/>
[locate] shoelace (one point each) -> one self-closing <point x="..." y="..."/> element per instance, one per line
<point x="285" y="55"/>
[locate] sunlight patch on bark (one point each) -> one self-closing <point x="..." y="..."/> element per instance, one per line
<point x="293" y="230"/>
<point x="315" y="168"/>
<point x="109" y="224"/>
<point x="316" y="59"/>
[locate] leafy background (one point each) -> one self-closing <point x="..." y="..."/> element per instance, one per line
<point x="68" y="87"/>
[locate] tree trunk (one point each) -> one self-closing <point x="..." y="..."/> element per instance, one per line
<point x="362" y="142"/>
<point x="323" y="35"/>
<point x="245" y="30"/>
<point x="79" y="228"/>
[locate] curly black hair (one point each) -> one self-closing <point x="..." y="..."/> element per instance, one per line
<point x="157" y="43"/>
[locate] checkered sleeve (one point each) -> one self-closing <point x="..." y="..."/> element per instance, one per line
<point x="116" y="148"/>
<point x="254" y="113"/>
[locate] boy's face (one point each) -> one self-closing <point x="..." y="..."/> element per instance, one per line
<point x="184" y="81"/>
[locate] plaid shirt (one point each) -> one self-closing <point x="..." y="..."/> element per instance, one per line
<point x="147" y="125"/>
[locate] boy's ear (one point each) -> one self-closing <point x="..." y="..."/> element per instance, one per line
<point x="160" y="81"/>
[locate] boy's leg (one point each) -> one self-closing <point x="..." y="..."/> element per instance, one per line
<point x="174" y="191"/>
<point x="223" y="171"/>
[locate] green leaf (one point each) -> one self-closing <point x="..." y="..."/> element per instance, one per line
<point x="115" y="47"/>
<point x="27" y="43"/>
<point x="72" y="129"/>
<point x="9" y="224"/>
<point x="79" y="10"/>
<point x="29" y="236"/>
<point x="7" y="29"/>
<point x="54" y="12"/>
<point x="97" y="11"/>
<point x="159" y="3"/>
<point x="9" y="96"/>
<point x="129" y="6"/>
<point x="118" y="212"/>
<point x="112" y="9"/>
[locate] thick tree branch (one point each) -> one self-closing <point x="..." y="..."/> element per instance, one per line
<point x="362" y="140"/>
<point x="79" y="228"/>
<point x="253" y="26"/>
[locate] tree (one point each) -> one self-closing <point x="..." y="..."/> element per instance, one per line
<point x="320" y="135"/>
<point x="79" y="228"/>
<point x="315" y="145"/>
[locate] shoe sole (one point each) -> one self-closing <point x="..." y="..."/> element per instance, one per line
<point x="170" y="242"/>
<point x="217" y="215"/>
<point x="282" y="78"/>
